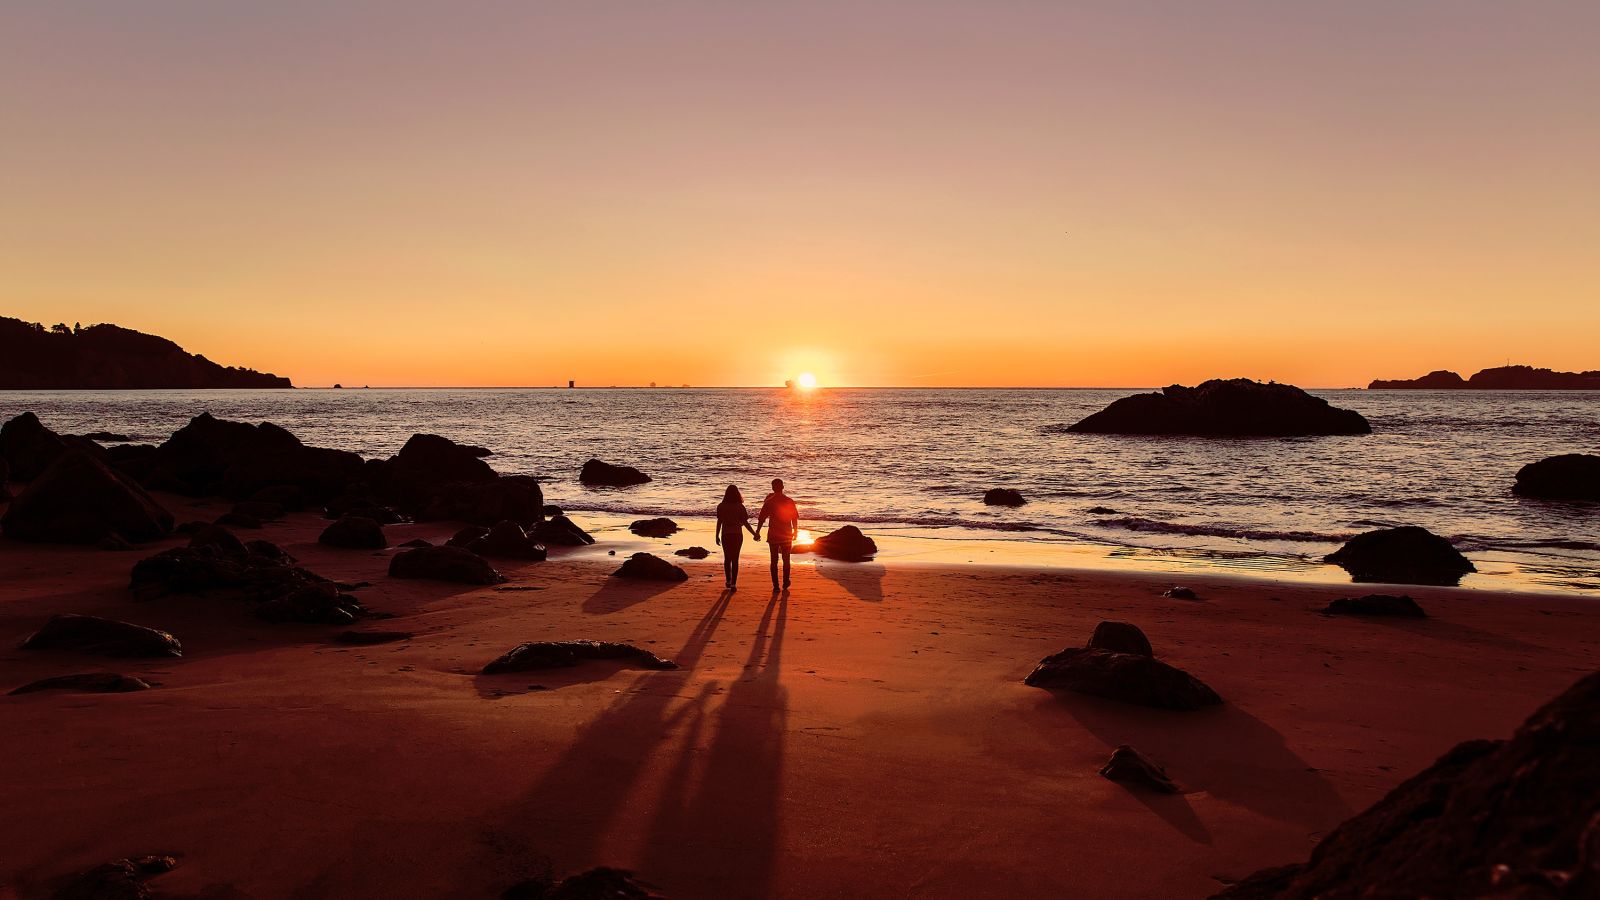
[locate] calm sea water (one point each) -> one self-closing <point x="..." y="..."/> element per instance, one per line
<point x="917" y="462"/>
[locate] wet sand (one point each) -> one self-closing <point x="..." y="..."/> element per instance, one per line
<point x="866" y="734"/>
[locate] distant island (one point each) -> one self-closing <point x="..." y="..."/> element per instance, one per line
<point x="1502" y="378"/>
<point x="107" y="357"/>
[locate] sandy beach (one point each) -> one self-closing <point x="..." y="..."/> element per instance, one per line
<point x="866" y="734"/>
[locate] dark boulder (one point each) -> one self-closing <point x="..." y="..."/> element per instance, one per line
<point x="847" y="543"/>
<point x="1375" y="605"/>
<point x="1128" y="677"/>
<point x="596" y="884"/>
<point x="1518" y="818"/>
<point x="416" y="542"/>
<point x="604" y="474"/>
<point x="466" y="536"/>
<point x="647" y="567"/>
<point x="428" y="461"/>
<point x="217" y="563"/>
<point x="1405" y="555"/>
<point x="104" y="637"/>
<point x="122" y="879"/>
<point x="1003" y="497"/>
<point x="1180" y="592"/>
<point x="87" y="682"/>
<point x="517" y="498"/>
<point x="1129" y="766"/>
<point x="565" y="654"/>
<point x="655" y="528"/>
<point x="194" y="459"/>
<point x="29" y="448"/>
<point x="355" y="533"/>
<point x="551" y="512"/>
<point x="1571" y="476"/>
<point x="1120" y="637"/>
<point x="692" y="552"/>
<point x="1236" y="407"/>
<point x="444" y="564"/>
<point x="80" y="500"/>
<point x="507" y="540"/>
<point x="560" y="531"/>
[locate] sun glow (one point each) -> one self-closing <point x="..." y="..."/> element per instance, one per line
<point x="806" y="381"/>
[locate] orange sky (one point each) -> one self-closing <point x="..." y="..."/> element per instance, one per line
<point x="930" y="193"/>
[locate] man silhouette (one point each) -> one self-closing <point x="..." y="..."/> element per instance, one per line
<point x="785" y="518"/>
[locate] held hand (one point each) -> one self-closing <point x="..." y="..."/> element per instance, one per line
<point x="719" y="541"/>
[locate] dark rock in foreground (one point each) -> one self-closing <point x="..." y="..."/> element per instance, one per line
<point x="1003" y="497"/>
<point x="596" y="884"/>
<point x="1235" y="407"/>
<point x="647" y="567"/>
<point x="692" y="553"/>
<point x="1375" y="605"/>
<point x="1127" y="677"/>
<point x="354" y="533"/>
<point x="1405" y="555"/>
<point x="28" y="447"/>
<point x="565" y="654"/>
<point x="507" y="540"/>
<point x="105" y="637"/>
<point x="1132" y="767"/>
<point x="560" y="531"/>
<point x="604" y="474"/>
<point x="1571" y="476"/>
<point x="1120" y="637"/>
<point x="455" y="564"/>
<point x="847" y="543"/>
<point x="119" y="880"/>
<point x="1507" y="819"/>
<point x="1180" y="593"/>
<point x="366" y="638"/>
<point x="81" y="500"/>
<point x="87" y="682"/>
<point x="655" y="528"/>
<point x="216" y="562"/>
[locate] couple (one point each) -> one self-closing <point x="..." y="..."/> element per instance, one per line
<point x="733" y="520"/>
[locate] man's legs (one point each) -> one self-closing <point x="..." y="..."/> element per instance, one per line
<point x="772" y="546"/>
<point x="787" y="547"/>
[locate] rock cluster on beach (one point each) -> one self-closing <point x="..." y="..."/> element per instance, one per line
<point x="78" y="499"/>
<point x="1235" y="407"/>
<point x="1130" y="674"/>
<point x="1518" y="818"/>
<point x="456" y="564"/>
<point x="1404" y="555"/>
<point x="1570" y="476"/>
<point x="217" y="563"/>
<point x="565" y="654"/>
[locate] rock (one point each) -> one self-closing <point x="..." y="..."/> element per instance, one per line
<point x="237" y="520"/>
<point x="1180" y="593"/>
<point x="507" y="539"/>
<point x="87" y="682"/>
<point x="80" y="500"/>
<point x="692" y="552"/>
<point x="1120" y="637"/>
<point x="1438" y="379"/>
<point x="564" y="654"/>
<point x="650" y="568"/>
<point x="260" y="510"/>
<point x="355" y="533"/>
<point x="655" y="528"/>
<point x="1128" y="677"/>
<point x="1235" y="407"/>
<point x="847" y="543"/>
<point x="517" y="498"/>
<point x="416" y="542"/>
<point x="428" y="462"/>
<point x="596" y="884"/>
<point x="1003" y="497"/>
<point x="1132" y="767"/>
<point x="1571" y="476"/>
<point x="1406" y="555"/>
<point x="28" y="447"/>
<point x="105" y="637"/>
<point x="551" y="512"/>
<point x="364" y="638"/>
<point x="444" y="564"/>
<point x="560" y="531"/>
<point x="595" y="472"/>
<point x="215" y="456"/>
<point x="1511" y="819"/>
<point x="122" y="879"/>
<point x="260" y="573"/>
<point x="466" y="536"/>
<point x="107" y="437"/>
<point x="1375" y="605"/>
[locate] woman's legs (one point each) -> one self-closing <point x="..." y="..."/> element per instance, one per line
<point x="730" y="562"/>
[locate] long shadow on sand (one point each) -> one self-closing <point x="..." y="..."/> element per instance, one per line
<point x="618" y="594"/>
<point x="716" y="818"/>
<point x="864" y="581"/>
<point x="1225" y="752"/>
<point x="1443" y="630"/>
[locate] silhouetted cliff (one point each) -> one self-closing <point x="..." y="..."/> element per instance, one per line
<point x="1501" y="378"/>
<point x="33" y="357"/>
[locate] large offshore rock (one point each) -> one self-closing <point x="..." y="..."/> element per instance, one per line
<point x="1405" y="555"/>
<point x="1236" y="407"/>
<point x="604" y="474"/>
<point x="1570" y="476"/>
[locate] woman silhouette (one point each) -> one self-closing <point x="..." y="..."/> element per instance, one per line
<point x="731" y="517"/>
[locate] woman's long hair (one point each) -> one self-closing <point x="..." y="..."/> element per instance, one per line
<point x="732" y="495"/>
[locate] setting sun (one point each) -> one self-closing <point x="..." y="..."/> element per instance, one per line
<point x="807" y="381"/>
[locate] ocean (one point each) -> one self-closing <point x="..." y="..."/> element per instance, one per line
<point x="911" y="466"/>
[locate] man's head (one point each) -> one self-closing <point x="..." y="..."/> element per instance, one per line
<point x="777" y="485"/>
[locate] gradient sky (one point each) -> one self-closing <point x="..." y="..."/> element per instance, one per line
<point x="921" y="193"/>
